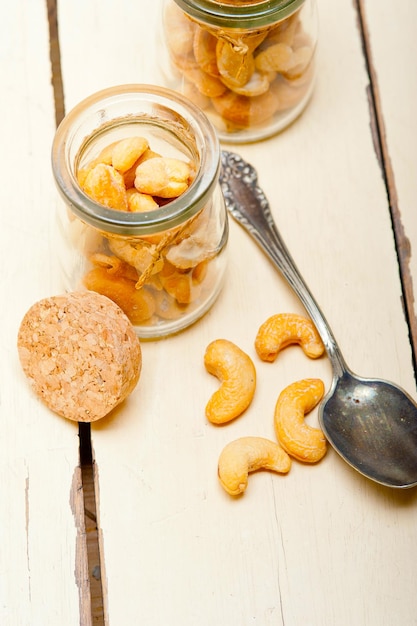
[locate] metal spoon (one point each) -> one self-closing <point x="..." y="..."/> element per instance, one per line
<point x="371" y="423"/>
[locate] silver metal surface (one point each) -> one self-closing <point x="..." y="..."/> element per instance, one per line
<point x="371" y="423"/>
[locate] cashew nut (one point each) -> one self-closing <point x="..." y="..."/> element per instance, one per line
<point x="163" y="176"/>
<point x="301" y="441"/>
<point x="236" y="371"/>
<point x="245" y="455"/>
<point x="127" y="151"/>
<point x="105" y="185"/>
<point x="279" y="331"/>
<point x="235" y="67"/>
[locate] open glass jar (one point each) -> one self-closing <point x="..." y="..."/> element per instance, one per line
<point x="249" y="64"/>
<point x="159" y="256"/>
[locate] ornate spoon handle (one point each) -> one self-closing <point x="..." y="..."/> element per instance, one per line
<point x="248" y="205"/>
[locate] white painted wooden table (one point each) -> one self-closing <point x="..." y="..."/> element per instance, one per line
<point x="41" y="563"/>
<point x="320" y="547"/>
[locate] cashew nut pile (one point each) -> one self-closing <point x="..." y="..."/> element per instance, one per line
<point x="151" y="277"/>
<point x="237" y="374"/>
<point x="245" y="76"/>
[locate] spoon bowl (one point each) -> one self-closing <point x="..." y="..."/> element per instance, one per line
<point x="371" y="423"/>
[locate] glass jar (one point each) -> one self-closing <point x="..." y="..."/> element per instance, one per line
<point x="162" y="260"/>
<point x="248" y="64"/>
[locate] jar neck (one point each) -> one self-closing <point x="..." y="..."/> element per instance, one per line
<point x="243" y="15"/>
<point x="156" y="107"/>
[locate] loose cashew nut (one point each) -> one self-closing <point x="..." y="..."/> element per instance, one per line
<point x="245" y="455"/>
<point x="301" y="441"/>
<point x="279" y="331"/>
<point x="237" y="374"/>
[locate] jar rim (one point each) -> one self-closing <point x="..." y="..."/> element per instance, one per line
<point x="165" y="217"/>
<point x="246" y="15"/>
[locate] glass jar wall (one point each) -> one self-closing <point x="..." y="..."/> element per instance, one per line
<point x="248" y="64"/>
<point x="142" y="220"/>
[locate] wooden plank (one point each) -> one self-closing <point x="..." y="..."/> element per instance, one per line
<point x="41" y="522"/>
<point x="391" y="50"/>
<point x="321" y="546"/>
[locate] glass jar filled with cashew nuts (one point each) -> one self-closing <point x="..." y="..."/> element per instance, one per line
<point x="143" y="220"/>
<point x="249" y="64"/>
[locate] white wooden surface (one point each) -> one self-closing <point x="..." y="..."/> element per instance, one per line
<point x="319" y="547"/>
<point x="41" y="577"/>
<point x="322" y="546"/>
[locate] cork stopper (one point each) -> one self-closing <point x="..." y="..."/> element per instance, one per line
<point x="80" y="353"/>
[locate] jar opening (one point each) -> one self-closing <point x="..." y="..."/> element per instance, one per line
<point x="165" y="116"/>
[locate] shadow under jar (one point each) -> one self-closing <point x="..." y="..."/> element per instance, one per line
<point x="143" y="220"/>
<point x="248" y="64"/>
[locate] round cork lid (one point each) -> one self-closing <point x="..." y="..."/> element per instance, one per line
<point x="80" y="353"/>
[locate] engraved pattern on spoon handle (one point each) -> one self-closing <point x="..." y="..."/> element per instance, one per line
<point x="248" y="205"/>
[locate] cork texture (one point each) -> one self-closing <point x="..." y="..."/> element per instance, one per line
<point x="80" y="354"/>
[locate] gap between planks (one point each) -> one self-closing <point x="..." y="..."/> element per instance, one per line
<point x="402" y="244"/>
<point x="89" y="511"/>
